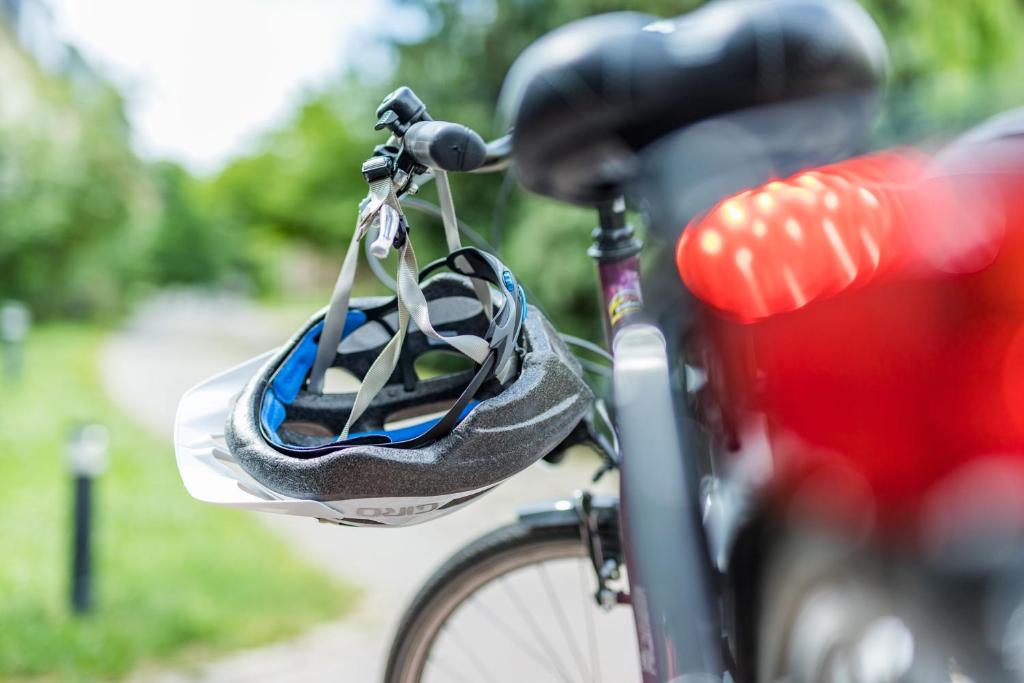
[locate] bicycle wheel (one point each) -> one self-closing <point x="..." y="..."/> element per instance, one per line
<point x="515" y="605"/>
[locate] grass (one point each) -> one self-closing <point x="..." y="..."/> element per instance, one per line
<point x="174" y="578"/>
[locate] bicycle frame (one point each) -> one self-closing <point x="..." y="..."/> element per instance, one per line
<point x="680" y="638"/>
<point x="678" y="628"/>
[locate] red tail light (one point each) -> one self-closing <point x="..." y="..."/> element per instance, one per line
<point x="790" y="242"/>
<point x="908" y="369"/>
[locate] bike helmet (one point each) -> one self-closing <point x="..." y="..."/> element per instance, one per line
<point x="283" y="447"/>
<point x="267" y="436"/>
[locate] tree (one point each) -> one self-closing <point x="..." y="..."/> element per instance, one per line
<point x="953" y="63"/>
<point x="71" y="215"/>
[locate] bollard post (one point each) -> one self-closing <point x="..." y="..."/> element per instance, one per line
<point x="87" y="457"/>
<point x="15" y="320"/>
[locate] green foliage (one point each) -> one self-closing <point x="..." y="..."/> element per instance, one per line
<point x="171" y="574"/>
<point x="73" y="197"/>
<point x="188" y="247"/>
<point x="458" y="67"/>
<point x="305" y="184"/>
<point x="81" y="220"/>
<point x="65" y="208"/>
<point x="953" y="63"/>
<point x="547" y="248"/>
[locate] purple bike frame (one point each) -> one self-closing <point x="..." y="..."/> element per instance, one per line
<point x="679" y="633"/>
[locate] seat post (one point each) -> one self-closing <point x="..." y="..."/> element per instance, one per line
<point x="616" y="250"/>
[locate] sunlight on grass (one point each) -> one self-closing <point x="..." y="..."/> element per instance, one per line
<point x="173" y="576"/>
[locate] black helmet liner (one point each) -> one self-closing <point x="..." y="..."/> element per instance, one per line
<point x="286" y="438"/>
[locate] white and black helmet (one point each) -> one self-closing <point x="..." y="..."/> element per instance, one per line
<point x="283" y="444"/>
<point x="267" y="436"/>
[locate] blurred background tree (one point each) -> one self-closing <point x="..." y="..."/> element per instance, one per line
<point x="84" y="224"/>
<point x="74" y="201"/>
<point x="187" y="246"/>
<point x="953" y="64"/>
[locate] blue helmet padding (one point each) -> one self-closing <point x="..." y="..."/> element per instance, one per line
<point x="289" y="378"/>
<point x="292" y="373"/>
<point x="272" y="414"/>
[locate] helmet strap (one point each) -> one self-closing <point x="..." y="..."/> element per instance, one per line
<point x="382" y="207"/>
<point x="412" y="304"/>
<point x="451" y="235"/>
<point x="381" y="197"/>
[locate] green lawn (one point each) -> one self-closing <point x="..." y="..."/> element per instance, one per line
<point x="175" y="577"/>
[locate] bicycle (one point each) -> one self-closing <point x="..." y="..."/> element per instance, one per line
<point x="675" y="618"/>
<point x="718" y="587"/>
<point x="707" y="604"/>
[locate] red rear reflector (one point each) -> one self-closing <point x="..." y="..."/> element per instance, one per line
<point x="789" y="242"/>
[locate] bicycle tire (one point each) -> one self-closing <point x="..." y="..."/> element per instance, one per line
<point x="497" y="553"/>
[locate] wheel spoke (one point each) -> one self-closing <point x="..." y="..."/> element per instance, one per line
<point x="588" y="617"/>
<point x="551" y="667"/>
<point x="534" y="628"/>
<point x="468" y="652"/>
<point x="556" y="607"/>
<point x="466" y="628"/>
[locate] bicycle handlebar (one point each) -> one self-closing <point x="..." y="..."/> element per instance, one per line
<point x="436" y="145"/>
<point x="498" y="156"/>
<point x="445" y="146"/>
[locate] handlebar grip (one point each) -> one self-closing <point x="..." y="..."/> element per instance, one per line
<point x="445" y="146"/>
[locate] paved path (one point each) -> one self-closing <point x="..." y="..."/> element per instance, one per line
<point x="177" y="340"/>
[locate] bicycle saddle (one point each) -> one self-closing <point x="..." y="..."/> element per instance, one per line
<point x="586" y="97"/>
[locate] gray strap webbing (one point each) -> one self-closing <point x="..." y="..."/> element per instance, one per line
<point x="411" y="304"/>
<point x="410" y="297"/>
<point x="382" y="193"/>
<point x="334" y="322"/>
<point x="379" y="373"/>
<point x="451" y="235"/>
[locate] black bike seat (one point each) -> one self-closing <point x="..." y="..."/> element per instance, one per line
<point x="586" y="97"/>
